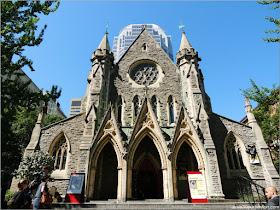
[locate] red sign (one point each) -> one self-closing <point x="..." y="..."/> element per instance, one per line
<point x="76" y="188"/>
<point x="197" y="188"/>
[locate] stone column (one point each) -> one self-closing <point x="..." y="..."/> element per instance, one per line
<point x="119" y="191"/>
<point x="124" y="181"/>
<point x="174" y="172"/>
<point x="91" y="183"/>
<point x="165" y="184"/>
<point x="170" y="181"/>
<point x="129" y="183"/>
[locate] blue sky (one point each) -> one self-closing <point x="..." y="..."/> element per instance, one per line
<point x="226" y="34"/>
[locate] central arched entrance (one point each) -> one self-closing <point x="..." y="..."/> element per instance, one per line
<point x="186" y="161"/>
<point x="106" y="177"/>
<point x="147" y="174"/>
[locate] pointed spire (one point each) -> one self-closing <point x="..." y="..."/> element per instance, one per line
<point x="250" y="116"/>
<point x="104" y="44"/>
<point x="248" y="106"/>
<point x="184" y="42"/>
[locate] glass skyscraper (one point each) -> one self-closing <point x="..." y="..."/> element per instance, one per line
<point x="129" y="33"/>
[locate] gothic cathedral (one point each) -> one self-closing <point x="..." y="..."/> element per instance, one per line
<point x="145" y="123"/>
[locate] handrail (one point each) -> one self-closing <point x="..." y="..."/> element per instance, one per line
<point x="253" y="196"/>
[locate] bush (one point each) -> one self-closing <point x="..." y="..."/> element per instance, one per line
<point x="29" y="166"/>
<point x="9" y="194"/>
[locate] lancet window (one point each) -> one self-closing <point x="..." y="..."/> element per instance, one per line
<point x="136" y="107"/>
<point x="171" y="109"/>
<point x="59" y="153"/>
<point x="233" y="153"/>
<point x="119" y="109"/>
<point x="154" y="105"/>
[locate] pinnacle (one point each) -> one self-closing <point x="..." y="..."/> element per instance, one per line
<point x="184" y="42"/>
<point x="104" y="44"/>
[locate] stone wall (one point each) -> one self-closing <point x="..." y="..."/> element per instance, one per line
<point x="220" y="127"/>
<point x="73" y="130"/>
<point x="168" y="84"/>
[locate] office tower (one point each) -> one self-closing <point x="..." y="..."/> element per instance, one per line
<point x="129" y="33"/>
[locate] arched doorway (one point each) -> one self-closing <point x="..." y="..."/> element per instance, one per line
<point x="186" y="161"/>
<point x="147" y="174"/>
<point x="106" y="176"/>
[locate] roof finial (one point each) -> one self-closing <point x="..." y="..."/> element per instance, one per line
<point x="107" y="28"/>
<point x="182" y="27"/>
<point x="144" y="26"/>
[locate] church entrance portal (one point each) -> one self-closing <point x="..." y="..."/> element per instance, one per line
<point x="106" y="181"/>
<point x="147" y="175"/>
<point x="186" y="161"/>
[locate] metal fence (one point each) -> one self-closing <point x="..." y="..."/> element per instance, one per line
<point x="251" y="192"/>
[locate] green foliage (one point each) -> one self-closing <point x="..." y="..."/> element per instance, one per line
<point x="30" y="165"/>
<point x="9" y="194"/>
<point x="51" y="118"/>
<point x="273" y="20"/>
<point x="19" y="30"/>
<point x="267" y="115"/>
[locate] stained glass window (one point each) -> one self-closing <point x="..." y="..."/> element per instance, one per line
<point x="145" y="74"/>
<point x="60" y="153"/>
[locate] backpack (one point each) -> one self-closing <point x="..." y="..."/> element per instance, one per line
<point x="11" y="204"/>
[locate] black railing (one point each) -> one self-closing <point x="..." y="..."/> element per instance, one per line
<point x="251" y="192"/>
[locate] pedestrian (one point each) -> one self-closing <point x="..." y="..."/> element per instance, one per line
<point x="37" y="179"/>
<point x="271" y="194"/>
<point x="42" y="190"/>
<point x="19" y="199"/>
<point x="28" y="196"/>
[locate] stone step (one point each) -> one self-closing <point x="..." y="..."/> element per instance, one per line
<point x="151" y="204"/>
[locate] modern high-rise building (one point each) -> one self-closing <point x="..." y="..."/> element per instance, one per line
<point x="75" y="106"/>
<point x="129" y="33"/>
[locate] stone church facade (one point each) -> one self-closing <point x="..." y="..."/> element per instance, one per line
<point x="145" y="122"/>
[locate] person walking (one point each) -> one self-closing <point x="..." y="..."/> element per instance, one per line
<point x="42" y="189"/>
<point x="20" y="200"/>
<point x="271" y="194"/>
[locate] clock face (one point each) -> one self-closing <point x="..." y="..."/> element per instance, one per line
<point x="145" y="74"/>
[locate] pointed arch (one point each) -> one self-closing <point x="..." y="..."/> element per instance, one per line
<point x="235" y="154"/>
<point x="197" y="150"/>
<point x="95" y="152"/>
<point x="60" y="150"/>
<point x="161" y="148"/>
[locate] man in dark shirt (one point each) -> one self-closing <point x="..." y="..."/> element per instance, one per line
<point x="271" y="194"/>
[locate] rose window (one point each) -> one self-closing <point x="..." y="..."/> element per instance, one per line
<point x="145" y="74"/>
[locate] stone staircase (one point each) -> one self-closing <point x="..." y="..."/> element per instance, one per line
<point x="156" y="204"/>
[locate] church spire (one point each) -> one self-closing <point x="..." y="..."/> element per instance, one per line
<point x="185" y="42"/>
<point x="104" y="44"/>
<point x="186" y="50"/>
<point x="103" y="50"/>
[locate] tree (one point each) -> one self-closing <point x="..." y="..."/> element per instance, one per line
<point x="19" y="30"/>
<point x="273" y="20"/>
<point x="31" y="165"/>
<point x="267" y="115"/>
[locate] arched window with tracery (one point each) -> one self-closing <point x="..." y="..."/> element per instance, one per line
<point x="60" y="152"/>
<point x="233" y="153"/>
<point x="154" y="105"/>
<point x="171" y="109"/>
<point x="136" y="107"/>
